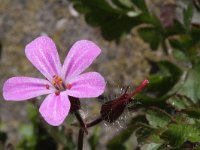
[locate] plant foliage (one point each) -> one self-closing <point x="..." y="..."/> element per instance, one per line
<point x="171" y="102"/>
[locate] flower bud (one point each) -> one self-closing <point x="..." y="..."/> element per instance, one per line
<point x="110" y="111"/>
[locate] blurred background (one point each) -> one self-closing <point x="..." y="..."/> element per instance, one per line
<point x="125" y="60"/>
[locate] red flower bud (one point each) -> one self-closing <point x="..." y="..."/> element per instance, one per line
<point x="110" y="111"/>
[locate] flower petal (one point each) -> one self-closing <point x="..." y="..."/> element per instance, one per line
<point x="23" y="88"/>
<point x="55" y="108"/>
<point x="43" y="54"/>
<point x="80" y="56"/>
<point x="90" y="84"/>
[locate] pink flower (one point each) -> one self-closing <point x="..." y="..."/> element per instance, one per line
<point x="62" y="81"/>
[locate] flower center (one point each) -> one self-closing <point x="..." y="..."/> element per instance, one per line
<point x="59" y="84"/>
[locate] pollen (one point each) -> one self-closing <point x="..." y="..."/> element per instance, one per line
<point x="58" y="83"/>
<point x="57" y="80"/>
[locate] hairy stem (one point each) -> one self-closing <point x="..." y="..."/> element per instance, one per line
<point x="80" y="120"/>
<point x="80" y="139"/>
<point x="95" y="122"/>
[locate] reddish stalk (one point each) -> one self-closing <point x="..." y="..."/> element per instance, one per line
<point x="80" y="139"/>
<point x="80" y="119"/>
<point x="138" y="89"/>
<point x="95" y="122"/>
<point x="110" y="108"/>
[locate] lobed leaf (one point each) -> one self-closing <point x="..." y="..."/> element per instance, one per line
<point x="177" y="134"/>
<point x="157" y="118"/>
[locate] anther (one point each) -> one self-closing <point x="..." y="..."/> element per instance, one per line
<point x="57" y="93"/>
<point x="57" y="82"/>
<point x="68" y="86"/>
<point x="47" y="86"/>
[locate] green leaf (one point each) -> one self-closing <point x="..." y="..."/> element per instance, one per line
<point x="187" y="46"/>
<point x="191" y="86"/>
<point x="177" y="29"/>
<point x="193" y="112"/>
<point x="124" y="4"/>
<point x="188" y="17"/>
<point x="169" y="68"/>
<point x="155" y="138"/>
<point x="179" y="103"/>
<point x="195" y="31"/>
<point x="158" y="82"/>
<point x="177" y="134"/>
<point x="114" y="18"/>
<point x="151" y="146"/>
<point x="131" y="142"/>
<point x="81" y="8"/>
<point x="157" y="118"/>
<point x="180" y="56"/>
<point x="176" y="44"/>
<point x="151" y="36"/>
<point x="162" y="82"/>
<point x="141" y="4"/>
<point x="144" y="132"/>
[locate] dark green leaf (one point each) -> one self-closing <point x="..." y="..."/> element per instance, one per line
<point x="155" y="138"/>
<point x="162" y="82"/>
<point x="176" y="29"/>
<point x="180" y="56"/>
<point x="124" y="4"/>
<point x="143" y="133"/>
<point x="114" y="18"/>
<point x="193" y="112"/>
<point x="170" y="69"/>
<point x="188" y="17"/>
<point x="176" y="44"/>
<point x="195" y="31"/>
<point x="151" y="36"/>
<point x="141" y="5"/>
<point x="179" y="103"/>
<point x="177" y="134"/>
<point x="157" y="118"/>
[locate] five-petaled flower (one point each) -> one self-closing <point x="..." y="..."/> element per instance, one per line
<point x="62" y="81"/>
